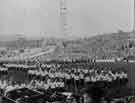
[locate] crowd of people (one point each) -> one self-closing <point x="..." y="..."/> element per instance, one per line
<point x="3" y="70"/>
<point x="64" y="78"/>
<point x="76" y="78"/>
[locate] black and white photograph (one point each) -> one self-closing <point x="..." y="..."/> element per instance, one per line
<point x="67" y="51"/>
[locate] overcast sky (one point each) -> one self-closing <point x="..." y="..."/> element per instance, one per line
<point x="85" y="17"/>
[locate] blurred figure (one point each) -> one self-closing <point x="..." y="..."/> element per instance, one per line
<point x="92" y="94"/>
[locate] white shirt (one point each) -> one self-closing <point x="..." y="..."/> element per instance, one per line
<point x="81" y="76"/>
<point x="87" y="79"/>
<point x="52" y="85"/>
<point x="68" y="76"/>
<point x="46" y="86"/>
<point x="61" y="84"/>
<point x="93" y="79"/>
<point x="76" y="77"/>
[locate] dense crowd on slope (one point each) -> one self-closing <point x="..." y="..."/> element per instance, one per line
<point x="56" y="77"/>
<point x="3" y="70"/>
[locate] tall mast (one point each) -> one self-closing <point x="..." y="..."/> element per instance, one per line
<point x="63" y="17"/>
<point x="134" y="20"/>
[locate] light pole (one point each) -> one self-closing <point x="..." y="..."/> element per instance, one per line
<point x="63" y="17"/>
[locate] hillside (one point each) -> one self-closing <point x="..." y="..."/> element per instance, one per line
<point x="100" y="46"/>
<point x="105" y="46"/>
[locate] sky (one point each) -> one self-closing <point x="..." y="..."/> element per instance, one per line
<point x="34" y="18"/>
